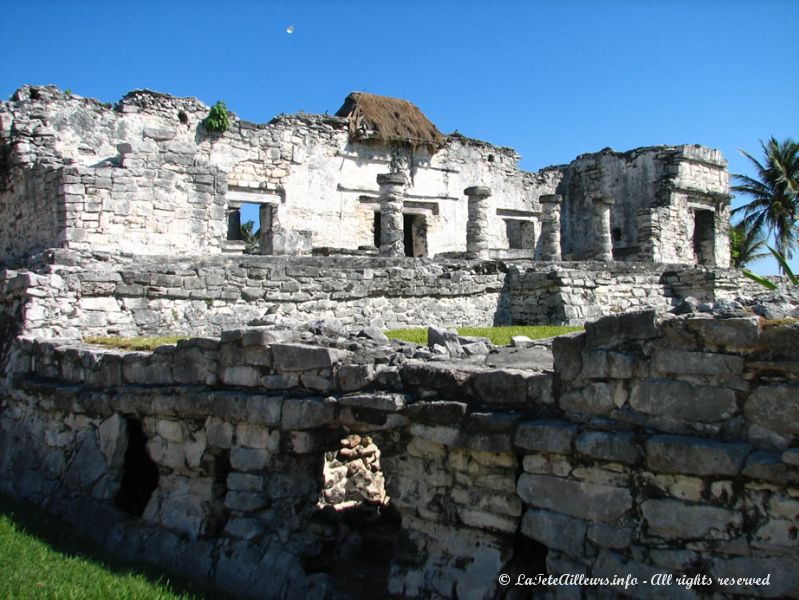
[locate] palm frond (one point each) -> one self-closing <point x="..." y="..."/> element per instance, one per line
<point x="773" y="206"/>
<point x="762" y="281"/>
<point x="784" y="265"/>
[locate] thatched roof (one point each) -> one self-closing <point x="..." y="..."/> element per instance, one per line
<point x="389" y="120"/>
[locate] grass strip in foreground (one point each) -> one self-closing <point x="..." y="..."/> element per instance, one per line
<point x="41" y="558"/>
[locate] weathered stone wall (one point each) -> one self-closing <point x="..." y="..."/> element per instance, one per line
<point x="659" y="445"/>
<point x="78" y="298"/>
<point x="76" y="295"/>
<point x="574" y="293"/>
<point x="32" y="211"/>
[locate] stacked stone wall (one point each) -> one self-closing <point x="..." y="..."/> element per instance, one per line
<point x="657" y="445"/>
<point x="77" y="295"/>
<point x="205" y="296"/>
<point x="573" y="294"/>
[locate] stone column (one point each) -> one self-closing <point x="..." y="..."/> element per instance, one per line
<point x="550" y="226"/>
<point x="477" y="225"/>
<point x="392" y="199"/>
<point x="604" y="241"/>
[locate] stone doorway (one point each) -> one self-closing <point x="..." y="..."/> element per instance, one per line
<point x="704" y="237"/>
<point x="521" y="234"/>
<point x="415" y="229"/>
<point x="139" y="472"/>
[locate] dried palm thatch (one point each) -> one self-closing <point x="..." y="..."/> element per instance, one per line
<point x="389" y="119"/>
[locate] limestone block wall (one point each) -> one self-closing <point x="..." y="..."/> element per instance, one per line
<point x="205" y="296"/>
<point x="658" y="445"/>
<point x="574" y="294"/>
<point x="32" y="212"/>
<point x="71" y="295"/>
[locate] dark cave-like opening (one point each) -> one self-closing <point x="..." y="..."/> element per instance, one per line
<point x="139" y="473"/>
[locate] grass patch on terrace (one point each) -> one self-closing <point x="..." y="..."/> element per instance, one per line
<point x="499" y="336"/>
<point x="134" y="343"/>
<point x="40" y="557"/>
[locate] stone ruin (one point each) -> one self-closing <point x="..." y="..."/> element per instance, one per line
<point x="144" y="177"/>
<point x="286" y="448"/>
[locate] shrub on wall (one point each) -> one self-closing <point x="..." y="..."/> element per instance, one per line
<point x="217" y="120"/>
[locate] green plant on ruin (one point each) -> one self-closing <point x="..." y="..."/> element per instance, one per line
<point x="217" y="120"/>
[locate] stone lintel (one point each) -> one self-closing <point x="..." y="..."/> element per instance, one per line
<point x="551" y="199"/>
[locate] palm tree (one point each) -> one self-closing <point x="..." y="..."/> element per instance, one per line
<point x="774" y="206"/>
<point x="250" y="238"/>
<point x="746" y="244"/>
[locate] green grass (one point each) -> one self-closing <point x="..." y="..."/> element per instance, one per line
<point x="134" y="343"/>
<point x="499" y="336"/>
<point x="41" y="558"/>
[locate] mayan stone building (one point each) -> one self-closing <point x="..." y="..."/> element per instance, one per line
<point x="284" y="447"/>
<point x="145" y="177"/>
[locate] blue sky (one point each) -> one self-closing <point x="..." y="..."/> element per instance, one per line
<point x="551" y="79"/>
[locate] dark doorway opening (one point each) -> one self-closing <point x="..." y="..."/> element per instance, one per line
<point x="703" y="238"/>
<point x="415" y="235"/>
<point x="139" y="473"/>
<point x="376" y="230"/>
<point x="359" y="528"/>
<point x="529" y="559"/>
<point x="234" y="224"/>
<point x="407" y="230"/>
<point x="521" y="234"/>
